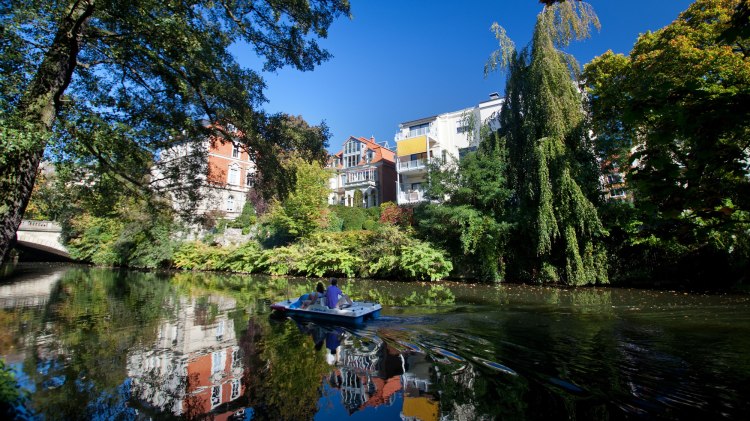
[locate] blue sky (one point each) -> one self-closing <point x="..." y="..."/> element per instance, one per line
<point x="399" y="60"/>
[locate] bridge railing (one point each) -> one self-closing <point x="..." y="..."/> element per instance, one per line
<point x="31" y="225"/>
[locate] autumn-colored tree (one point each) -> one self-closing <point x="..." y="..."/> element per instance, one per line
<point x="677" y="114"/>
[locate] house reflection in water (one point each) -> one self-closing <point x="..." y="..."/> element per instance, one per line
<point x="370" y="373"/>
<point x="195" y="365"/>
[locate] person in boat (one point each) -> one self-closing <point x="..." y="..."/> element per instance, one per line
<point x="314" y="296"/>
<point x="305" y="300"/>
<point x="335" y="298"/>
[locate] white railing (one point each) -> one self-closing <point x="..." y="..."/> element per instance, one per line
<point x="361" y="176"/>
<point x="32" y="225"/>
<point x="407" y="135"/>
<point x="411" y="165"/>
<point x="410" y="195"/>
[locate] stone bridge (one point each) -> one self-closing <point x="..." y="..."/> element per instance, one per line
<point x="41" y="235"/>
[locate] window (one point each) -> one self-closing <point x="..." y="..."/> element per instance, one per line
<point x="215" y="396"/>
<point x="235" y="357"/>
<point x="370" y="155"/>
<point x="234" y="175"/>
<point x="416" y="186"/>
<point x="230" y="204"/>
<point x="445" y="156"/>
<point x="617" y="193"/>
<point x="220" y="330"/>
<point x="419" y="129"/>
<point x="235" y="150"/>
<point x="250" y="179"/>
<point x="217" y="362"/>
<point x="235" y="389"/>
<point x="614" y="178"/>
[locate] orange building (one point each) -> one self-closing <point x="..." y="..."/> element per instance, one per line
<point x="218" y="167"/>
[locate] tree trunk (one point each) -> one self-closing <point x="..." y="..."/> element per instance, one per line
<point x="33" y="119"/>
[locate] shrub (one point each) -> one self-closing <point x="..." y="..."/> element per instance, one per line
<point x="328" y="259"/>
<point x="194" y="255"/>
<point x="419" y="260"/>
<point x="245" y="258"/>
<point x="92" y="239"/>
<point x="352" y="217"/>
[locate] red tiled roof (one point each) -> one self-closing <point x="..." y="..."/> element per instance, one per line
<point x="381" y="153"/>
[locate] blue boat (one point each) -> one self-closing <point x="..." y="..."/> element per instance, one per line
<point x="354" y="314"/>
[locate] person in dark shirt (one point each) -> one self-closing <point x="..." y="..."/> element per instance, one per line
<point x="334" y="297"/>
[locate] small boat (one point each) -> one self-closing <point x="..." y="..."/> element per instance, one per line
<point x="355" y="314"/>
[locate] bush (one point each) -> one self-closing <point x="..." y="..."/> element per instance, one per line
<point x="352" y="217"/>
<point x="245" y="258"/>
<point x="423" y="262"/>
<point x="194" y="255"/>
<point x="329" y="259"/>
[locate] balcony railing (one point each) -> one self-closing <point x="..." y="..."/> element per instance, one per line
<point x="411" y="165"/>
<point x="369" y="175"/>
<point x="410" y="195"/>
<point x="406" y="135"/>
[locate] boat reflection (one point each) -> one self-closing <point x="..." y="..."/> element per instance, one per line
<point x="368" y="372"/>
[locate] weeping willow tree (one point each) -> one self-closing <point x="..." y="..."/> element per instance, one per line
<point x="551" y="162"/>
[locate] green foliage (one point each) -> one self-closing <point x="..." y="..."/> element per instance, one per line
<point x="358" y="199"/>
<point x="304" y="210"/>
<point x="473" y="222"/>
<point x="246" y="219"/>
<point x="245" y="258"/>
<point x="107" y="86"/>
<point x="326" y="258"/>
<point x="551" y="166"/>
<point x="423" y="262"/>
<point x="132" y="237"/>
<point x="353" y="218"/>
<point x="281" y="260"/>
<point x="195" y="255"/>
<point x="685" y="152"/>
<point x="10" y="392"/>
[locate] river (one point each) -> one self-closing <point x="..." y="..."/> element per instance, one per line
<point x="87" y="343"/>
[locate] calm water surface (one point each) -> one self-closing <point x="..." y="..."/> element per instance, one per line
<point x="88" y="343"/>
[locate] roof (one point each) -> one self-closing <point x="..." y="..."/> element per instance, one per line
<point x="381" y="153"/>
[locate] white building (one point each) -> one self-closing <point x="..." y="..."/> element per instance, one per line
<point x="451" y="134"/>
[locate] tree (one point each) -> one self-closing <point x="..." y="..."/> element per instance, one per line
<point x="473" y="221"/>
<point x="551" y="165"/>
<point x="113" y="82"/>
<point x="305" y="209"/>
<point x="677" y="113"/>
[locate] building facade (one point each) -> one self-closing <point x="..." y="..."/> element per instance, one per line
<point x="437" y="139"/>
<point x="218" y="168"/>
<point x="362" y="165"/>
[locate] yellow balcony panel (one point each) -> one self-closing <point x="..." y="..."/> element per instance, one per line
<point x="412" y="146"/>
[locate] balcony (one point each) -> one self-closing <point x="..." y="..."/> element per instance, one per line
<point x="361" y="177"/>
<point x="411" y="165"/>
<point x="408" y="195"/>
<point x="432" y="132"/>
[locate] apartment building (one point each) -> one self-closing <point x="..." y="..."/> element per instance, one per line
<point x="218" y="167"/>
<point x="366" y="166"/>
<point x="422" y="141"/>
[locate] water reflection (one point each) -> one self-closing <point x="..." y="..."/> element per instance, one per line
<point x="102" y="344"/>
<point x="194" y="366"/>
